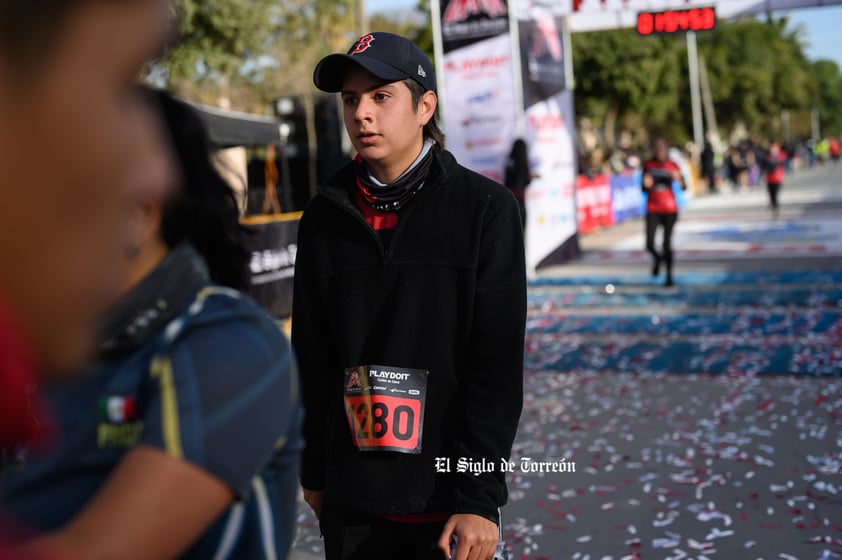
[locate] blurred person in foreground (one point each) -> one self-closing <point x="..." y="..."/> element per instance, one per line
<point x="183" y="439"/>
<point x="67" y="131"/>
<point x="659" y="173"/>
<point x="409" y="314"/>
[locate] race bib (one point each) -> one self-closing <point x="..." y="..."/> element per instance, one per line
<point x="385" y="407"/>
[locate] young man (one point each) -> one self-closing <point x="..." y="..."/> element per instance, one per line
<point x="659" y="173"/>
<point x="409" y="306"/>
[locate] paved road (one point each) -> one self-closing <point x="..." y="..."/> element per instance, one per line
<point x="703" y="420"/>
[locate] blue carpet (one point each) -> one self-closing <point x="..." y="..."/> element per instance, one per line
<point x="776" y="323"/>
<point x="697" y="279"/>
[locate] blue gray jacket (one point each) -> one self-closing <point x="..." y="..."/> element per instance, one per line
<point x="195" y="370"/>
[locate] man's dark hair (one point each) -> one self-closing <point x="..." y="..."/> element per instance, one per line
<point x="29" y="28"/>
<point x="432" y="131"/>
<point x="204" y="210"/>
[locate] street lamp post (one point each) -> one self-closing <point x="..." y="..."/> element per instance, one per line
<point x="695" y="94"/>
<point x="362" y="18"/>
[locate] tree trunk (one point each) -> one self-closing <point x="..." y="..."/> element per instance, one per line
<point x="610" y="125"/>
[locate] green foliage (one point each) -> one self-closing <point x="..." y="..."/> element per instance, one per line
<point x="250" y="52"/>
<point x="756" y="69"/>
<point x="219" y="36"/>
<point x="423" y="36"/>
<point x="310" y="29"/>
<point x="635" y="69"/>
<point x="380" y="22"/>
<point x="253" y="51"/>
<point x="619" y="72"/>
<point x="307" y="31"/>
<point x="828" y="98"/>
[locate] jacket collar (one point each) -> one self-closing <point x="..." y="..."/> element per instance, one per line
<point x="142" y="312"/>
<point x="341" y="186"/>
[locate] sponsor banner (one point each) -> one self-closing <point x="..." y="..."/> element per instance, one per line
<point x="593" y="201"/>
<point x="484" y="112"/>
<point x="551" y="220"/>
<point x="626" y="197"/>
<point x="273" y="247"/>
<point x="466" y="21"/>
<point x="550" y="199"/>
<point x="542" y="57"/>
<point x="481" y="121"/>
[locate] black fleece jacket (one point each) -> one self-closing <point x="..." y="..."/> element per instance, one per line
<point x="448" y="295"/>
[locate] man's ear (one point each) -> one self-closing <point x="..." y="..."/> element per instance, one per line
<point x="427" y="107"/>
<point x="144" y="224"/>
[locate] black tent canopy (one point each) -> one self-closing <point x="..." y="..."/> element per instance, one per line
<point x="234" y="128"/>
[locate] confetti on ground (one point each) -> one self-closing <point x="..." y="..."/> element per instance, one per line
<point x="719" y="424"/>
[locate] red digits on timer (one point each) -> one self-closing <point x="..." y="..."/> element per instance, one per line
<point x="676" y="21"/>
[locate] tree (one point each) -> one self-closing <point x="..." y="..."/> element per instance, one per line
<point x="306" y="31"/>
<point x="756" y="70"/>
<point x="828" y="99"/>
<point x="423" y="35"/>
<point x="620" y="75"/>
<point x="251" y="51"/>
<point x="218" y="36"/>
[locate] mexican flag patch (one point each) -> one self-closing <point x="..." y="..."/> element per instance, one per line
<point x="117" y="410"/>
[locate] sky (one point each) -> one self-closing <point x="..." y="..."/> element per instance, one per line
<point x="821" y="26"/>
<point x="822" y="31"/>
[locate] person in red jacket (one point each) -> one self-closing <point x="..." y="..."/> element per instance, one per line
<point x="775" y="168"/>
<point x="659" y="173"/>
<point x="835" y="149"/>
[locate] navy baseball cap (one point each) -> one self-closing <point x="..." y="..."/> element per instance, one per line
<point x="388" y="56"/>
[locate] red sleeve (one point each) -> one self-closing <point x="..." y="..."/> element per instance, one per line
<point x="17" y="377"/>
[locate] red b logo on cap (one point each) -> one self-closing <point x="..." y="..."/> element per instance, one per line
<point x="363" y="44"/>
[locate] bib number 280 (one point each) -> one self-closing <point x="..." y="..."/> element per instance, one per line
<point x="386" y="422"/>
<point x="385" y="407"/>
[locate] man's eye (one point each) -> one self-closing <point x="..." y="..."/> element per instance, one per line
<point x="381" y="97"/>
<point x="350" y="101"/>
